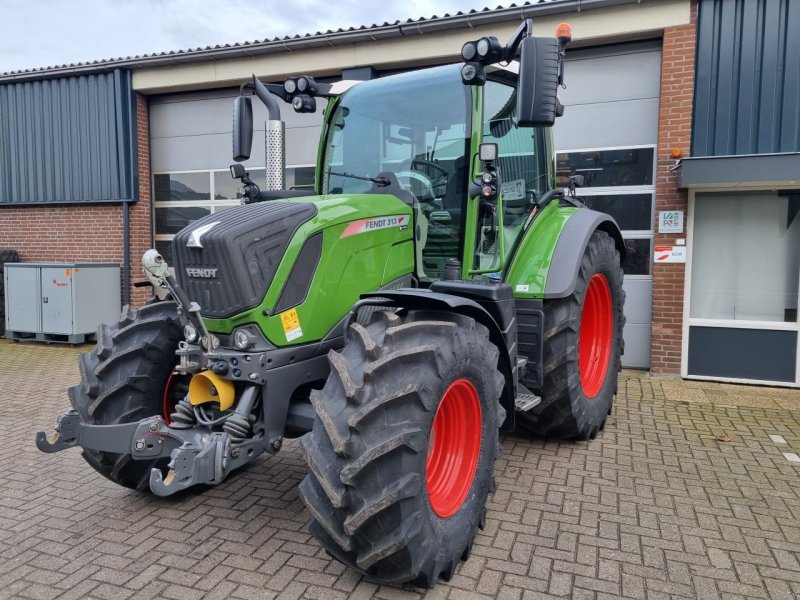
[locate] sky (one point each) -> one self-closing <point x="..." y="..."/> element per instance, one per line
<point x="42" y="33"/>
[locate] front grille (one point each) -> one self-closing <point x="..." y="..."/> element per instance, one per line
<point x="234" y="268"/>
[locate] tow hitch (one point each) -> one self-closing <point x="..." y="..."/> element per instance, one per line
<point x="197" y="455"/>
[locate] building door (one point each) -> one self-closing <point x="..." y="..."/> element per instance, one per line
<point x="608" y="134"/>
<point x="743" y="283"/>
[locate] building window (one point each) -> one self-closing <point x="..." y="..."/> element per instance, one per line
<point x="746" y="256"/>
<point x="618" y="181"/>
<point x="181" y="198"/>
<point x="609" y="167"/>
<point x="300" y="177"/>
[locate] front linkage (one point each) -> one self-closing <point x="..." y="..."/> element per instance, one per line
<point x="198" y="452"/>
<point x="198" y="455"/>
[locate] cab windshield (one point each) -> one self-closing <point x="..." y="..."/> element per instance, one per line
<point x="411" y="130"/>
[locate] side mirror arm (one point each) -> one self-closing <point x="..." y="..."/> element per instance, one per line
<point x="525" y="28"/>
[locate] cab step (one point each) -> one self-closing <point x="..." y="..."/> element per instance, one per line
<point x="526" y="402"/>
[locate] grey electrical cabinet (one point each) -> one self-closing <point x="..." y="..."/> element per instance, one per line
<point x="60" y="302"/>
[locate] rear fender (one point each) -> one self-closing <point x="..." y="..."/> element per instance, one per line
<point x="420" y="299"/>
<point x="546" y="261"/>
<point x="568" y="253"/>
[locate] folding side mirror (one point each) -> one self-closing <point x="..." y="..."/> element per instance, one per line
<point x="577" y="180"/>
<point x="242" y="128"/>
<point x="539" y="70"/>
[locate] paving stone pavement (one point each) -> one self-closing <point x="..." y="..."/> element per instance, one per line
<point x="684" y="495"/>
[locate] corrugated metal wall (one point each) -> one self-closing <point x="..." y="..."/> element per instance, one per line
<point x="747" y="93"/>
<point x="68" y="140"/>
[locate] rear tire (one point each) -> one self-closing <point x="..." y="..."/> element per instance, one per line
<point x="580" y="382"/>
<point x="383" y="496"/>
<point x="123" y="380"/>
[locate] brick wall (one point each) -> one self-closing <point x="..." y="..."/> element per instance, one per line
<point x="141" y="213"/>
<point x="674" y="131"/>
<point x="86" y="233"/>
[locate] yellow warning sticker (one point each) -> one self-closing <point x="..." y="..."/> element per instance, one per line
<point x="291" y="325"/>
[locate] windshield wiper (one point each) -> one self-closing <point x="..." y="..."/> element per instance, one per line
<point x="379" y="181"/>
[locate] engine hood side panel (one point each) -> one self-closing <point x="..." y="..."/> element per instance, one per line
<point x="365" y="239"/>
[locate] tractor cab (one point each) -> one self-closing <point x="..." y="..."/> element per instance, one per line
<point x="416" y="136"/>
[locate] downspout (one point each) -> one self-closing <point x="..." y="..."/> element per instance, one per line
<point x="126" y="254"/>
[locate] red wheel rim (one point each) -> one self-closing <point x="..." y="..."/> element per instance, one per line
<point x="453" y="448"/>
<point x="594" y="345"/>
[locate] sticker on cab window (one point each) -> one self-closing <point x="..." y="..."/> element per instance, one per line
<point x="513" y="190"/>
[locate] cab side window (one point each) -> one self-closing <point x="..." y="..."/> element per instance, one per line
<point x="523" y="173"/>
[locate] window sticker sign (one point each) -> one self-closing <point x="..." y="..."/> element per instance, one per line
<point x="670" y="254"/>
<point x="513" y="190"/>
<point x="670" y="221"/>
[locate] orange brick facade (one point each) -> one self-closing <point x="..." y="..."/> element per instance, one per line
<point x="674" y="131"/>
<point x="89" y="233"/>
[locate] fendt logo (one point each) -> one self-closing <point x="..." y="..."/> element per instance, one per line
<point x="205" y="273"/>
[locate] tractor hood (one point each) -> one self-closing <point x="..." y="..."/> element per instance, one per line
<point x="227" y="261"/>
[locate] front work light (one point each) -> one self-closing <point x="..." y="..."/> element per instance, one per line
<point x="487" y="152"/>
<point x="306" y="85"/>
<point x="304" y="103"/>
<point x="489" y="50"/>
<point x="468" y="51"/>
<point x="473" y="73"/>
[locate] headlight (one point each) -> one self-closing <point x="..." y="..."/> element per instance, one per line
<point x="210" y="343"/>
<point x="190" y="333"/>
<point x="241" y="339"/>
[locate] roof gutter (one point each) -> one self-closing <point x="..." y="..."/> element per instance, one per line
<point x="335" y="38"/>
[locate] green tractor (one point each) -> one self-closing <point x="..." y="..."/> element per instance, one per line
<point x="434" y="288"/>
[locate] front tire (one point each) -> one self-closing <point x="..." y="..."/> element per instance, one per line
<point x="124" y="378"/>
<point x="582" y="349"/>
<point x="403" y="446"/>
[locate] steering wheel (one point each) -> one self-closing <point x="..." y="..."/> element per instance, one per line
<point x="431" y="165"/>
<point x="424" y="185"/>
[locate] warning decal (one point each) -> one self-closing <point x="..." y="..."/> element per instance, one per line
<point x="375" y="223"/>
<point x="291" y="325"/>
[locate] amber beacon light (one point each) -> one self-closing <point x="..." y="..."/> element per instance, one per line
<point x="564" y="33"/>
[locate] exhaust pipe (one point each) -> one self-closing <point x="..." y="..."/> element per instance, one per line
<point x="275" y="155"/>
<point x="274" y="142"/>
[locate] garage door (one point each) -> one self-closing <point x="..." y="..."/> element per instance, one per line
<point x="608" y="134"/>
<point x="190" y="150"/>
